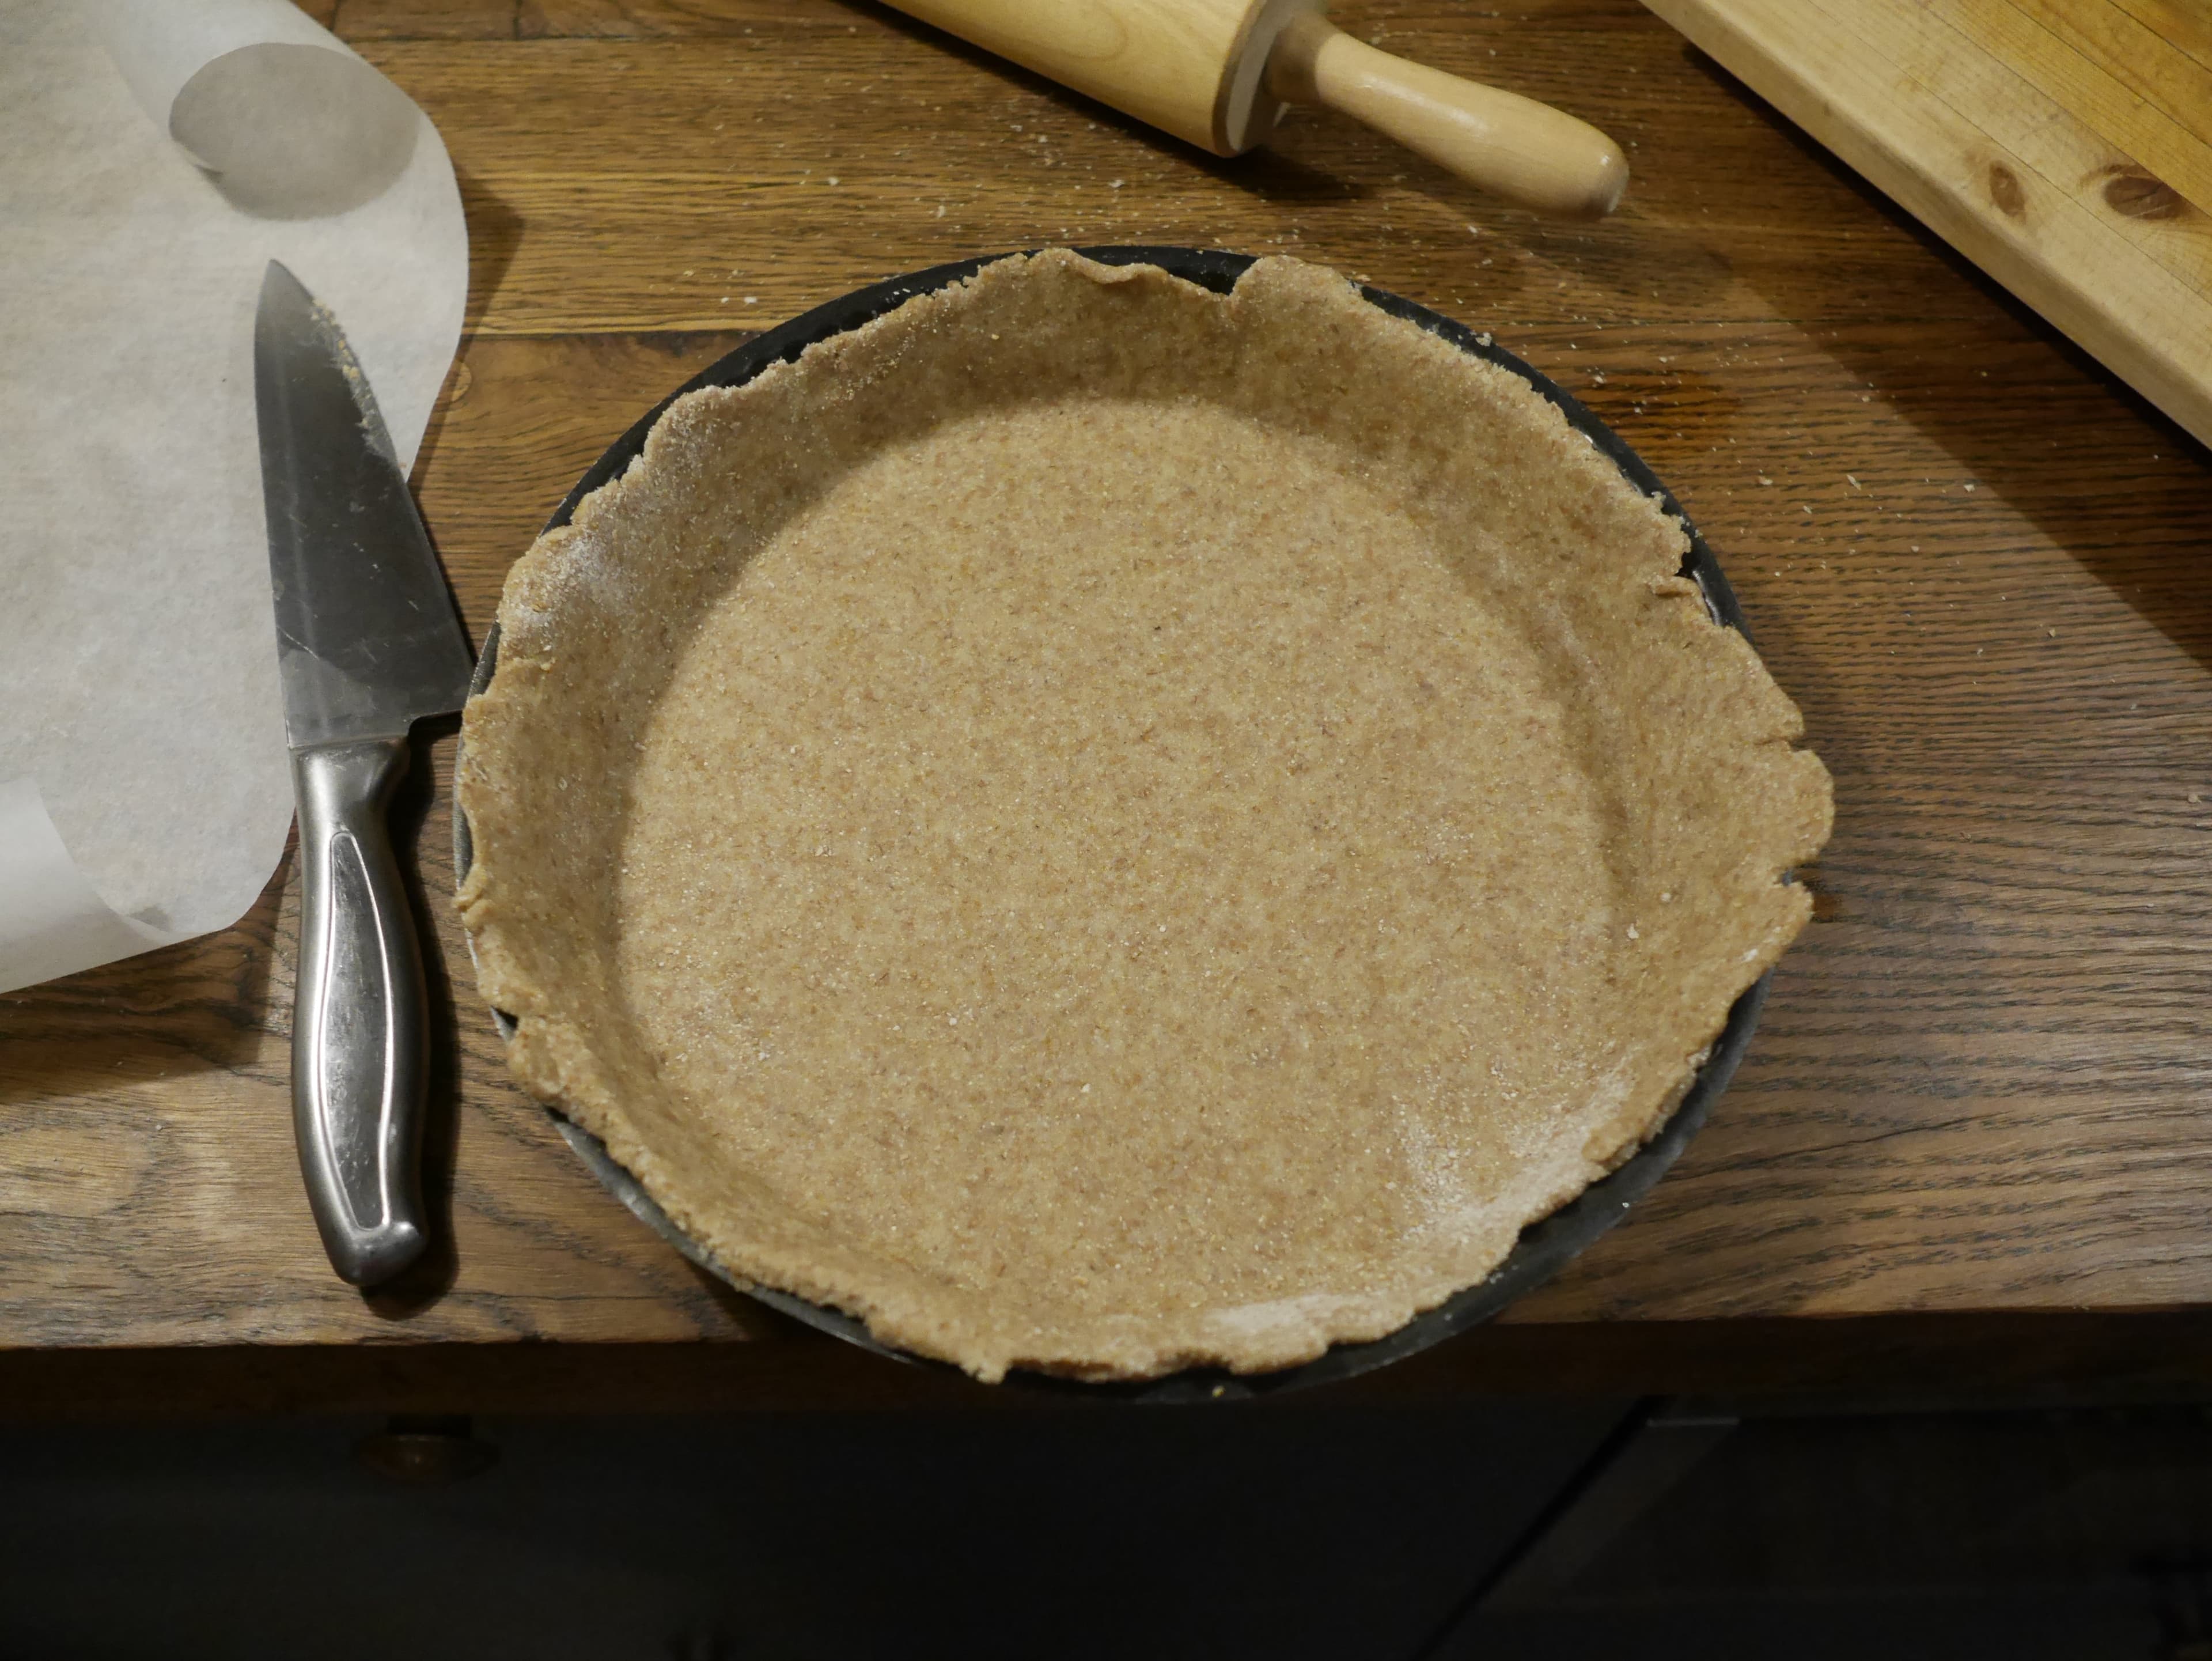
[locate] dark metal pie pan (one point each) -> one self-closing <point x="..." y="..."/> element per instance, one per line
<point x="1546" y="1245"/>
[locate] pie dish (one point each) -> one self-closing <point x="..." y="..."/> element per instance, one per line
<point x="1102" y="826"/>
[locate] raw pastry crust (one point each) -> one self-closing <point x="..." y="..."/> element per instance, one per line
<point x="1103" y="827"/>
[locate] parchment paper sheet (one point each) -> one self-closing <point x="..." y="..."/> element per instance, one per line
<point x="154" y="154"/>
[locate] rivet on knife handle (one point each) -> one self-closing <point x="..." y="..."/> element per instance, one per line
<point x="358" y="1062"/>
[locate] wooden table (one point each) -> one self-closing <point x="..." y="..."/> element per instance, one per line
<point x="1975" y="1116"/>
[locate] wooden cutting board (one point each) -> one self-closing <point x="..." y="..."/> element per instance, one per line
<point x="2064" y="146"/>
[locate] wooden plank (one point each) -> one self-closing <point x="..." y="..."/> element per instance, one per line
<point x="535" y="20"/>
<point x="1979" y="563"/>
<point x="718" y="187"/>
<point x="2017" y="181"/>
<point x="2185" y="23"/>
<point x="424" y="20"/>
<point x="627" y="19"/>
<point x="2105" y="39"/>
<point x="2046" y="46"/>
<point x="1978" y="60"/>
<point x="1977" y="1085"/>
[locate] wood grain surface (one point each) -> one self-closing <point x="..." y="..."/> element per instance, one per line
<point x="1977" y="561"/>
<point x="2065" y="146"/>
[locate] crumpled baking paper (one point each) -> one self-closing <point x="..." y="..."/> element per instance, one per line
<point x="154" y="154"/>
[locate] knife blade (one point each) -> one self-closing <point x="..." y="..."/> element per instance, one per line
<point x="367" y="643"/>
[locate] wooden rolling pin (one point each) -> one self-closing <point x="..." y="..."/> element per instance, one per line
<point x="1219" y="73"/>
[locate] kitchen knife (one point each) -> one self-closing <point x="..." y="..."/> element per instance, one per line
<point x="366" y="644"/>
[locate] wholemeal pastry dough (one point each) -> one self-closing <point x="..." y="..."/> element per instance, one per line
<point x="1100" y="826"/>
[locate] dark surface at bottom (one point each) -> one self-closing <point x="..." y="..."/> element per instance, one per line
<point x="1366" y="1532"/>
<point x="1160" y="1534"/>
<point x="2077" y="1534"/>
<point x="1991" y="1359"/>
<point x="2065" y="1623"/>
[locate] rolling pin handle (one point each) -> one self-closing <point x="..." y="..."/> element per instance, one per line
<point x="1513" y="147"/>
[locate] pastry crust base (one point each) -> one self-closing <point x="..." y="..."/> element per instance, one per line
<point x="1102" y="827"/>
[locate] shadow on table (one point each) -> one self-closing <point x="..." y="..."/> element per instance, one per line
<point x="2122" y="488"/>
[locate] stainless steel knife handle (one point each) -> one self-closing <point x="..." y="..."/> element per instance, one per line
<point x="359" y="1061"/>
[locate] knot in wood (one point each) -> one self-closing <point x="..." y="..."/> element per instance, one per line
<point x="2139" y="194"/>
<point x="2005" y="190"/>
